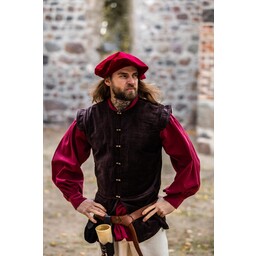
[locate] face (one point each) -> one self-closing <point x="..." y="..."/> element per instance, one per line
<point x="123" y="83"/>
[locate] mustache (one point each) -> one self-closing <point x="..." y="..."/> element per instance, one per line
<point x="130" y="86"/>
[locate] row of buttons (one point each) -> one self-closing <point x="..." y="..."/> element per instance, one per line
<point x="118" y="146"/>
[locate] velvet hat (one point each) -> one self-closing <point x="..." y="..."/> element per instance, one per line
<point x="117" y="61"/>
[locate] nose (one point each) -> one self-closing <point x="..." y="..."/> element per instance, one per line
<point x="131" y="80"/>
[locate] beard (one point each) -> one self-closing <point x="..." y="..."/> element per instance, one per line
<point x="126" y="94"/>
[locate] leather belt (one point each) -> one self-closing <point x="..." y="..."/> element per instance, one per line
<point x="127" y="220"/>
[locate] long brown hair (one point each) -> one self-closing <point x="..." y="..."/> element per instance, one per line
<point x="145" y="91"/>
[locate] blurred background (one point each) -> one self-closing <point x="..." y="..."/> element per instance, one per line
<point x="175" y="38"/>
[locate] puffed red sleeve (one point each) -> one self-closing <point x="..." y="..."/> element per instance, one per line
<point x="67" y="175"/>
<point x="185" y="162"/>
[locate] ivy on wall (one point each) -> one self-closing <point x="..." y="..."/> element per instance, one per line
<point x="115" y="27"/>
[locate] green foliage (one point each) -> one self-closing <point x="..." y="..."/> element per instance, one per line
<point x="116" y="14"/>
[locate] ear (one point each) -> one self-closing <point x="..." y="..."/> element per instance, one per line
<point x="107" y="81"/>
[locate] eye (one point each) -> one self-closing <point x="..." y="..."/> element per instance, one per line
<point x="123" y="75"/>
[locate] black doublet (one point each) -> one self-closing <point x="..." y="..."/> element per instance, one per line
<point x="127" y="151"/>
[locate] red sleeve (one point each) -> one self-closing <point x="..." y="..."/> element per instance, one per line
<point x="67" y="175"/>
<point x="185" y="161"/>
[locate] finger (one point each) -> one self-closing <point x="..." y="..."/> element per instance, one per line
<point x="90" y="217"/>
<point x="149" y="215"/>
<point x="98" y="211"/>
<point x="88" y="212"/>
<point x="161" y="214"/>
<point x="147" y="210"/>
<point x="100" y="206"/>
<point x="94" y="208"/>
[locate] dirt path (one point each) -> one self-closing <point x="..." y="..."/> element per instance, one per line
<point x="191" y="226"/>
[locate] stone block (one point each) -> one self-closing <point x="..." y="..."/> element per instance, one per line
<point x="74" y="48"/>
<point x="208" y="15"/>
<point x="205" y="114"/>
<point x="54" y="105"/>
<point x="51" y="46"/>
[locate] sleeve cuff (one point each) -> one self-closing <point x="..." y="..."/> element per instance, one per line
<point x="175" y="201"/>
<point x="76" y="200"/>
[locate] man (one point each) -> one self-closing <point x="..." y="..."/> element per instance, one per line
<point x="126" y="130"/>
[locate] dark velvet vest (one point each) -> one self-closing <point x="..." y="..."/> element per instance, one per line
<point x="127" y="153"/>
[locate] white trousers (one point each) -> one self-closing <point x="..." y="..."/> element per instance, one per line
<point x="157" y="245"/>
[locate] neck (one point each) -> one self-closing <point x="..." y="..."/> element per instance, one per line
<point x="120" y="104"/>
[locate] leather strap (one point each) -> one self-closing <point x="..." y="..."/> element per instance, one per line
<point x="127" y="220"/>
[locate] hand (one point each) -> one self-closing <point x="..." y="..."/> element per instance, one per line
<point x="88" y="207"/>
<point x="161" y="207"/>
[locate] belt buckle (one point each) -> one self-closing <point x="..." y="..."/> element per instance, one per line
<point x="118" y="219"/>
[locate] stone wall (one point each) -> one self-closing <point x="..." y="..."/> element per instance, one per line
<point x="166" y="36"/>
<point x="205" y="110"/>
<point x="174" y="37"/>
<point x="71" y="39"/>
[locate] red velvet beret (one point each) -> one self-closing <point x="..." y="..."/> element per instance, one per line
<point x="117" y="61"/>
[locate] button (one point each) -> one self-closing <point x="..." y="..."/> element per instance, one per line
<point x="119" y="113"/>
<point x="118" y="163"/>
<point x="118" y="146"/>
<point x="118" y="196"/>
<point x="118" y="180"/>
<point x="118" y="130"/>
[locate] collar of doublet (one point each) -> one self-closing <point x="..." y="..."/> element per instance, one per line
<point x="130" y="106"/>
